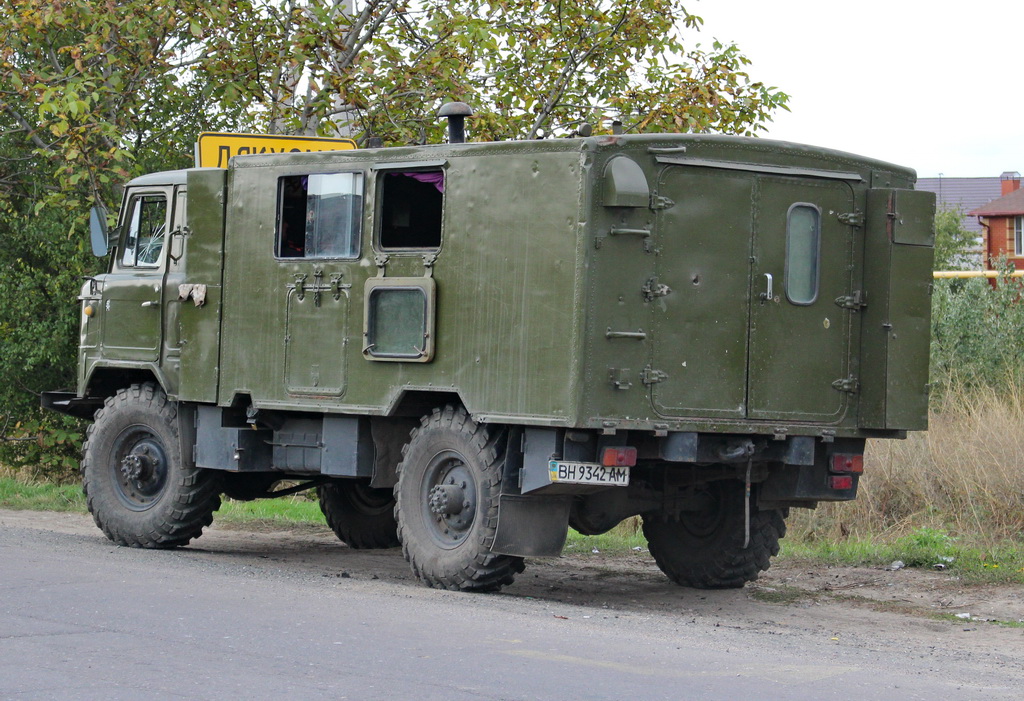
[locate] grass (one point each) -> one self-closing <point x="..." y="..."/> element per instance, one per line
<point x="1001" y="563"/>
<point x="285" y="511"/>
<point x="624" y="538"/>
<point x="963" y="476"/>
<point x="22" y="495"/>
<point x="951" y="496"/>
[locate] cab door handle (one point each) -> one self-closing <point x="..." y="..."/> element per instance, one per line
<point x="150" y="304"/>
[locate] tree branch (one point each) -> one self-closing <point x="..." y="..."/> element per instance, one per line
<point x="27" y="128"/>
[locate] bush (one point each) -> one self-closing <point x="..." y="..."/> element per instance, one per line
<point x="44" y="258"/>
<point x="977" y="333"/>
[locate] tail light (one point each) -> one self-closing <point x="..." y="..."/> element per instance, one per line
<point x="618" y="457"/>
<point x="840" y="481"/>
<point x="847" y="464"/>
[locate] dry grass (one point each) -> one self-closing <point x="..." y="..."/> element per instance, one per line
<point x="965" y="477"/>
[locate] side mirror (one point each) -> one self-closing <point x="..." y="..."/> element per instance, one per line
<point x="98" y="231"/>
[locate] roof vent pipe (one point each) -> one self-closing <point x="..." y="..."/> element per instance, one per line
<point x="456" y="113"/>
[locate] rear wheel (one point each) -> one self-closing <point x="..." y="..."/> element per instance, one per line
<point x="138" y="489"/>
<point x="704" y="548"/>
<point x="361" y="516"/>
<point x="449" y="483"/>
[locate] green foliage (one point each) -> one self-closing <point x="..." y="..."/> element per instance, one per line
<point x="977" y="332"/>
<point x="89" y="89"/>
<point x="954" y="245"/>
<point x="94" y="92"/>
<point x="529" y="68"/>
<point x="533" y="69"/>
<point x="43" y="266"/>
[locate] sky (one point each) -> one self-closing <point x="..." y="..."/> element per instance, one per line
<point x="936" y="86"/>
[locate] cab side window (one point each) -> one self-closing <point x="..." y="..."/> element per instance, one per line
<point x="319" y="215"/>
<point x="411" y="206"/>
<point x="146" y="231"/>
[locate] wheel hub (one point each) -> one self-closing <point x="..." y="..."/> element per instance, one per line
<point x="447" y="499"/>
<point x="138" y="465"/>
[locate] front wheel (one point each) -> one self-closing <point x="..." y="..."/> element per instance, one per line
<point x="449" y="482"/>
<point x="138" y="489"/>
<point x="705" y="547"/>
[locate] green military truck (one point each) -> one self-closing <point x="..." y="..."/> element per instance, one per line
<point x="467" y="348"/>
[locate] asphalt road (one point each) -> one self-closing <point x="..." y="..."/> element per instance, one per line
<point x="83" y="619"/>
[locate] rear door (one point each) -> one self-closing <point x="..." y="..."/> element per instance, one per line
<point x="701" y="316"/>
<point x="749" y="301"/>
<point x="800" y="338"/>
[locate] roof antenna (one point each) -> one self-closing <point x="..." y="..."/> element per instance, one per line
<point x="456" y="113"/>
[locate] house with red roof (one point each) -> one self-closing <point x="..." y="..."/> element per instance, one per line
<point x="1002" y="224"/>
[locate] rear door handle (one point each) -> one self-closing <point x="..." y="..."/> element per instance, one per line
<point x="769" y="294"/>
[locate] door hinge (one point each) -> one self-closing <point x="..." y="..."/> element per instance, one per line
<point x="652" y="289"/>
<point x="852" y="218"/>
<point x="650" y="376"/>
<point x="858" y="300"/>
<point x="849" y="384"/>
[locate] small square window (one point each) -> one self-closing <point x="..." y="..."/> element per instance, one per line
<point x="399" y="319"/>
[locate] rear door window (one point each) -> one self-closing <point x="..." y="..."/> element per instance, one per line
<point x="803" y="247"/>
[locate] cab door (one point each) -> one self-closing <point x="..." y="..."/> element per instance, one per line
<point x="133" y="290"/>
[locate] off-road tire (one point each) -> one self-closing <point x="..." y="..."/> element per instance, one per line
<point x="138" y="489"/>
<point x="705" y="549"/>
<point x="449" y="451"/>
<point x="362" y="517"/>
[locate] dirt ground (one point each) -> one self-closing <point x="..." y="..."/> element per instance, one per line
<point x="620" y="581"/>
<point x="904" y="620"/>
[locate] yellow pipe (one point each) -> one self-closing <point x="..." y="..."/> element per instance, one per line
<point x="974" y="273"/>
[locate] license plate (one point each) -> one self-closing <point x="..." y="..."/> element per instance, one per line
<point x="587" y="473"/>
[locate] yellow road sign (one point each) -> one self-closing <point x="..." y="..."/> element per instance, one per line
<point x="215" y="148"/>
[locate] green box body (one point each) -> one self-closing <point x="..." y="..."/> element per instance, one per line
<point x="661" y="283"/>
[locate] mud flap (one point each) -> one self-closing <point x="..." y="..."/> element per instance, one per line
<point x="531" y="526"/>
